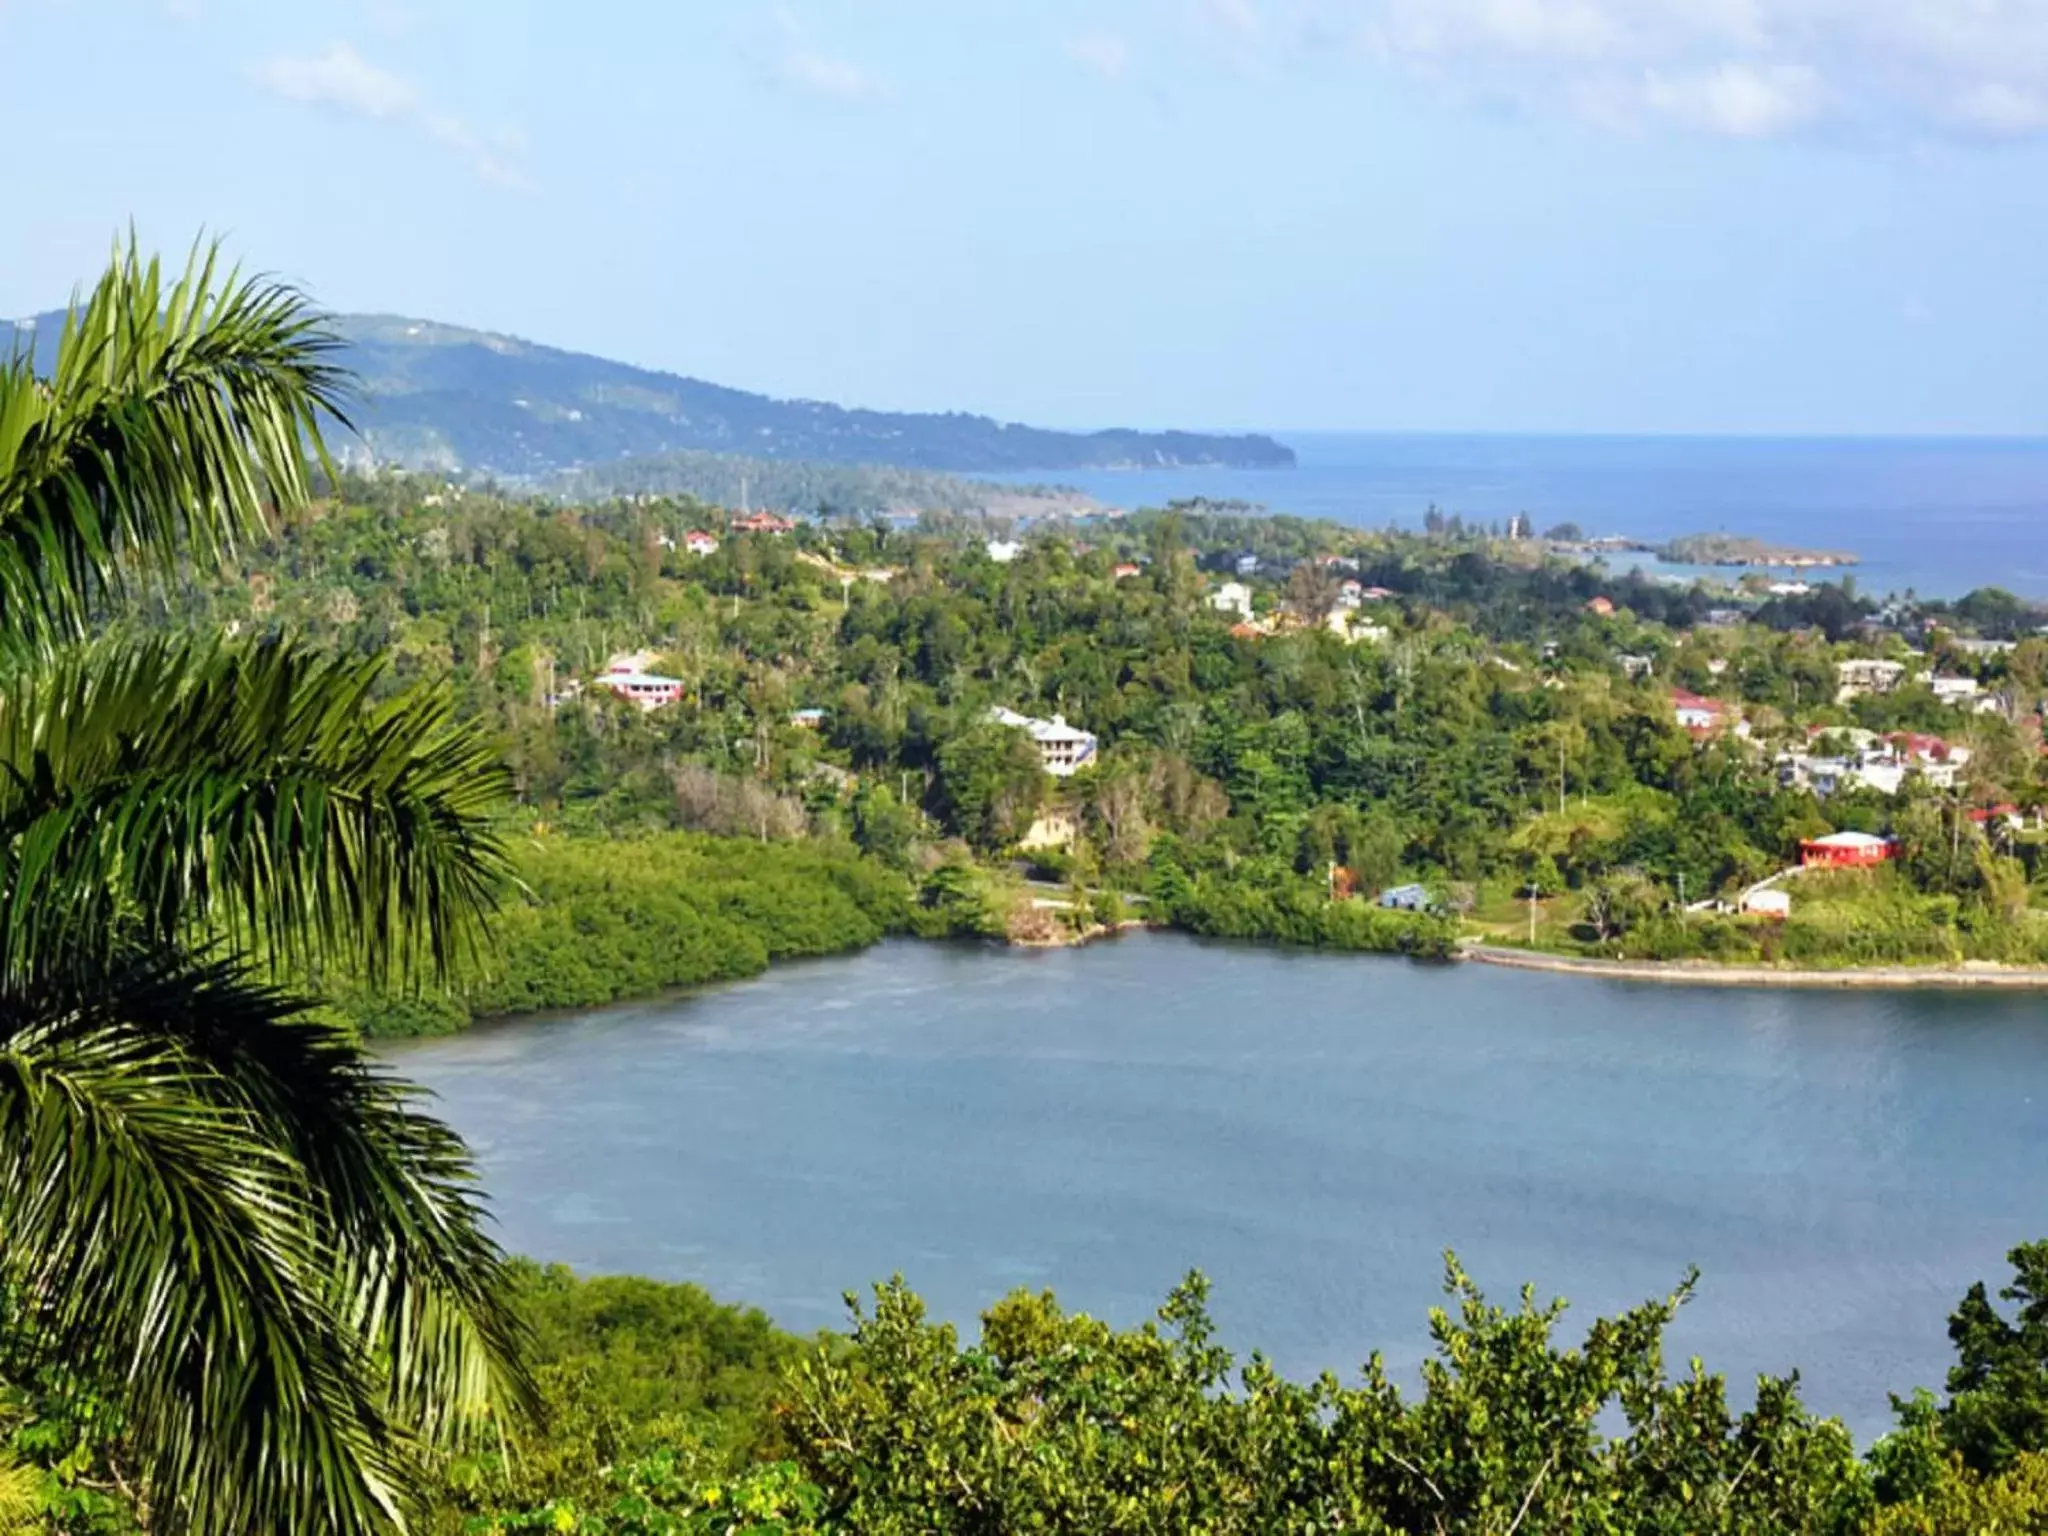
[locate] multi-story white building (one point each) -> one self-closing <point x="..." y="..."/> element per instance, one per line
<point x="1064" y="749"/>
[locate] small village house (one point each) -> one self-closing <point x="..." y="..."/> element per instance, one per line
<point x="1233" y="597"/>
<point x="1768" y="903"/>
<point x="649" y="690"/>
<point x="1861" y="676"/>
<point x="763" y="522"/>
<point x="1407" y="898"/>
<point x="698" y="542"/>
<point x="1846" y="850"/>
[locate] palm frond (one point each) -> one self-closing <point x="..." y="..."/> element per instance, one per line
<point x="396" y="1192"/>
<point x="176" y="410"/>
<point x="167" y="1240"/>
<point x="20" y="1500"/>
<point x="156" y="787"/>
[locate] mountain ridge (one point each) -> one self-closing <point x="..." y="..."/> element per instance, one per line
<point x="456" y="400"/>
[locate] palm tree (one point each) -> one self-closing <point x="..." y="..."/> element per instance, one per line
<point x="211" y="1205"/>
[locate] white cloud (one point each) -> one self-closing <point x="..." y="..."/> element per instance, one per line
<point x="1101" y="53"/>
<point x="798" y="66"/>
<point x="1743" y="101"/>
<point x="340" y="79"/>
<point x="1743" y="68"/>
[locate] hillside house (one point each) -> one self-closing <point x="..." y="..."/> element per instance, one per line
<point x="1127" y="570"/>
<point x="1862" y="676"/>
<point x="649" y="690"/>
<point x="1846" y="850"/>
<point x="1003" y="551"/>
<point x="763" y="522"/>
<point x="1601" y="607"/>
<point x="1233" y="597"/>
<point x="1956" y="691"/>
<point x="1064" y="749"/>
<point x="1635" y="668"/>
<point x="1703" y="719"/>
<point x="698" y="542"/>
<point x="808" y="719"/>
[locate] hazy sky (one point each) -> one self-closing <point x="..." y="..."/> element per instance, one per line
<point x="1584" y="215"/>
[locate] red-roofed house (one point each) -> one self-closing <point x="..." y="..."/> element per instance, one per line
<point x="763" y="522"/>
<point x="1601" y="608"/>
<point x="698" y="542"/>
<point x="1846" y="850"/>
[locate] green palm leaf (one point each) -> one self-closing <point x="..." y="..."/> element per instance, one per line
<point x="152" y="788"/>
<point x="206" y="1199"/>
<point x="176" y="411"/>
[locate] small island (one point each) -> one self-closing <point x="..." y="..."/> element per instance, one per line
<point x="1737" y="549"/>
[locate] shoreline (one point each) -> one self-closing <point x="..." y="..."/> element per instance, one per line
<point x="1970" y="976"/>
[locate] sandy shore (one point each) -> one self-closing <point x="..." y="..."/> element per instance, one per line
<point x="1696" y="973"/>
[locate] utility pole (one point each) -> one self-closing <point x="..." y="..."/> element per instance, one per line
<point x="1532" y="912"/>
<point x="1560" y="775"/>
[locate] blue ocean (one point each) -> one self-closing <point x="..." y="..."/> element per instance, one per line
<point x="1938" y="516"/>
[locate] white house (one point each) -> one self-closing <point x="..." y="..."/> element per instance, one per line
<point x="1003" y="551"/>
<point x="698" y="542"/>
<point x="1955" y="690"/>
<point x="1064" y="749"/>
<point x="1233" y="597"/>
<point x="1770" y="903"/>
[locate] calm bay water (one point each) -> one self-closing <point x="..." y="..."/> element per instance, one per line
<point x="1311" y="1130"/>
<point x="1939" y="515"/>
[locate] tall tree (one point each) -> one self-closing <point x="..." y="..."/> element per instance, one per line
<point x="210" y="1203"/>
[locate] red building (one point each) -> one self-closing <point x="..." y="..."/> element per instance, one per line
<point x="762" y="522"/>
<point x="1846" y="850"/>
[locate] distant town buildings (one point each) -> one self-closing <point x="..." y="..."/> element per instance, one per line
<point x="1064" y="749"/>
<point x="763" y="522"/>
<point x="1857" y="759"/>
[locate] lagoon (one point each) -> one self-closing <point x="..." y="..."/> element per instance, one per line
<point x="1310" y="1130"/>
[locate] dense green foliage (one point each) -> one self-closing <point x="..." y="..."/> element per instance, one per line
<point x="608" y="919"/>
<point x="671" y="1414"/>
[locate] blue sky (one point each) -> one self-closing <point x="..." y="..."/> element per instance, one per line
<point x="1570" y="215"/>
